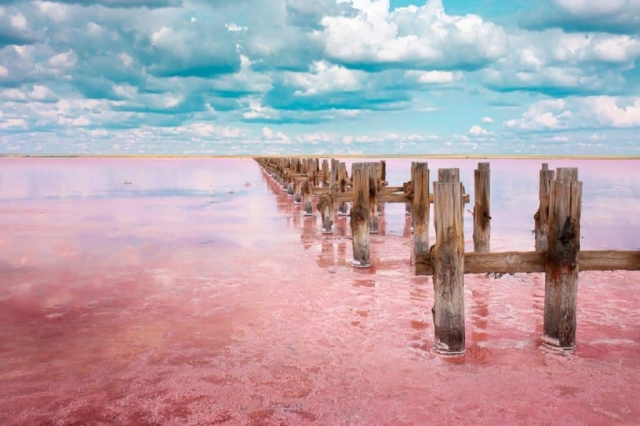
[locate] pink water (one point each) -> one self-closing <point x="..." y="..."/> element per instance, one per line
<point x="199" y="294"/>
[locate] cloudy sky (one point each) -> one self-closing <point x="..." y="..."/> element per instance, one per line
<point x="320" y="76"/>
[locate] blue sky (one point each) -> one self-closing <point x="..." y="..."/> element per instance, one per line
<point x="319" y="77"/>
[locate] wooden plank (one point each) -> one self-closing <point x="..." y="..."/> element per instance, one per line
<point x="391" y="198"/>
<point x="513" y="262"/>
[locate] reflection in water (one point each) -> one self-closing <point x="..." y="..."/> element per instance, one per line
<point x="199" y="295"/>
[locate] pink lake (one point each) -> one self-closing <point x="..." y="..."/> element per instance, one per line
<point x="199" y="294"/>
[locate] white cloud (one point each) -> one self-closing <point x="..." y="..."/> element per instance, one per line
<point x="4" y="72"/>
<point x="433" y="77"/>
<point x="235" y="28"/>
<point x="278" y="137"/>
<point x="598" y="7"/>
<point x="10" y="123"/>
<point x="576" y="113"/>
<point x="19" y="21"/>
<point x="478" y="131"/>
<point x="411" y="37"/>
<point x="551" y="60"/>
<point x="258" y="111"/>
<point x="487" y="120"/>
<point x="324" y="77"/>
<point x="64" y="60"/>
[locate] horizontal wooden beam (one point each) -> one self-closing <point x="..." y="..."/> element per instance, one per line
<point x="347" y="197"/>
<point x="534" y="261"/>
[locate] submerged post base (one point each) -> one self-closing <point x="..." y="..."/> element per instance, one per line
<point x="443" y="350"/>
<point x="358" y="264"/>
<point x="553" y="344"/>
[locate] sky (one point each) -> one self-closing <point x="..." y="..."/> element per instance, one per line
<point x="230" y="77"/>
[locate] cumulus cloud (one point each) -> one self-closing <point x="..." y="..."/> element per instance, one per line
<point x="124" y="3"/>
<point x="433" y="77"/>
<point x="557" y="63"/>
<point x="411" y="37"/>
<point x="269" y="135"/>
<point x="478" y="131"/>
<point x="579" y="113"/>
<point x="487" y="120"/>
<point x="324" y="77"/>
<point x="615" y="16"/>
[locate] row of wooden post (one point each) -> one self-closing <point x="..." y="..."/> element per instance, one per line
<point x="557" y="241"/>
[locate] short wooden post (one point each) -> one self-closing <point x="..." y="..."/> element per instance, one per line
<point x="448" y="261"/>
<point x="325" y="207"/>
<point x="307" y="198"/>
<point x="342" y="187"/>
<point x="360" y="215"/>
<point x="449" y="175"/>
<point x="420" y="208"/>
<point x="297" y="190"/>
<point x="482" y="209"/>
<point x="541" y="217"/>
<point x="373" y="192"/>
<point x="561" y="264"/>
<point x="290" y="185"/>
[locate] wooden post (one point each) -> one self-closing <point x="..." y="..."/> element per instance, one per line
<point x="325" y="207"/>
<point x="420" y="208"/>
<point x="561" y="263"/>
<point x="325" y="173"/>
<point x="297" y="190"/>
<point x="373" y="192"/>
<point x="360" y="215"/>
<point x="342" y="187"/>
<point x="541" y="217"/>
<point x="449" y="175"/>
<point x="482" y="209"/>
<point x="307" y="198"/>
<point x="408" y="189"/>
<point x="448" y="261"/>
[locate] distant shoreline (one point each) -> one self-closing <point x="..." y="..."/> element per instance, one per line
<point x="381" y="156"/>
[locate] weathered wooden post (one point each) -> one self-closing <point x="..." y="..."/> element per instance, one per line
<point x="482" y="209"/>
<point x="297" y="190"/>
<point x="373" y="192"/>
<point x="325" y="173"/>
<point x="541" y="217"/>
<point x="342" y="187"/>
<point x="561" y="263"/>
<point x="307" y="198"/>
<point x="407" y="188"/>
<point x="448" y="262"/>
<point x="420" y="208"/>
<point x="325" y="207"/>
<point x="360" y="215"/>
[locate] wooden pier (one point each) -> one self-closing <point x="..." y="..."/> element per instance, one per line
<point x="557" y="234"/>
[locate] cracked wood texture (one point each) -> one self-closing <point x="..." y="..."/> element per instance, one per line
<point x="541" y="217"/>
<point x="420" y="208"/>
<point x="342" y="186"/>
<point x="374" y="185"/>
<point x="561" y="263"/>
<point x="360" y="215"/>
<point x="482" y="209"/>
<point x="448" y="261"/>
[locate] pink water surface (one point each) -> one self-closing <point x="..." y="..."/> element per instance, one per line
<point x="199" y="294"/>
